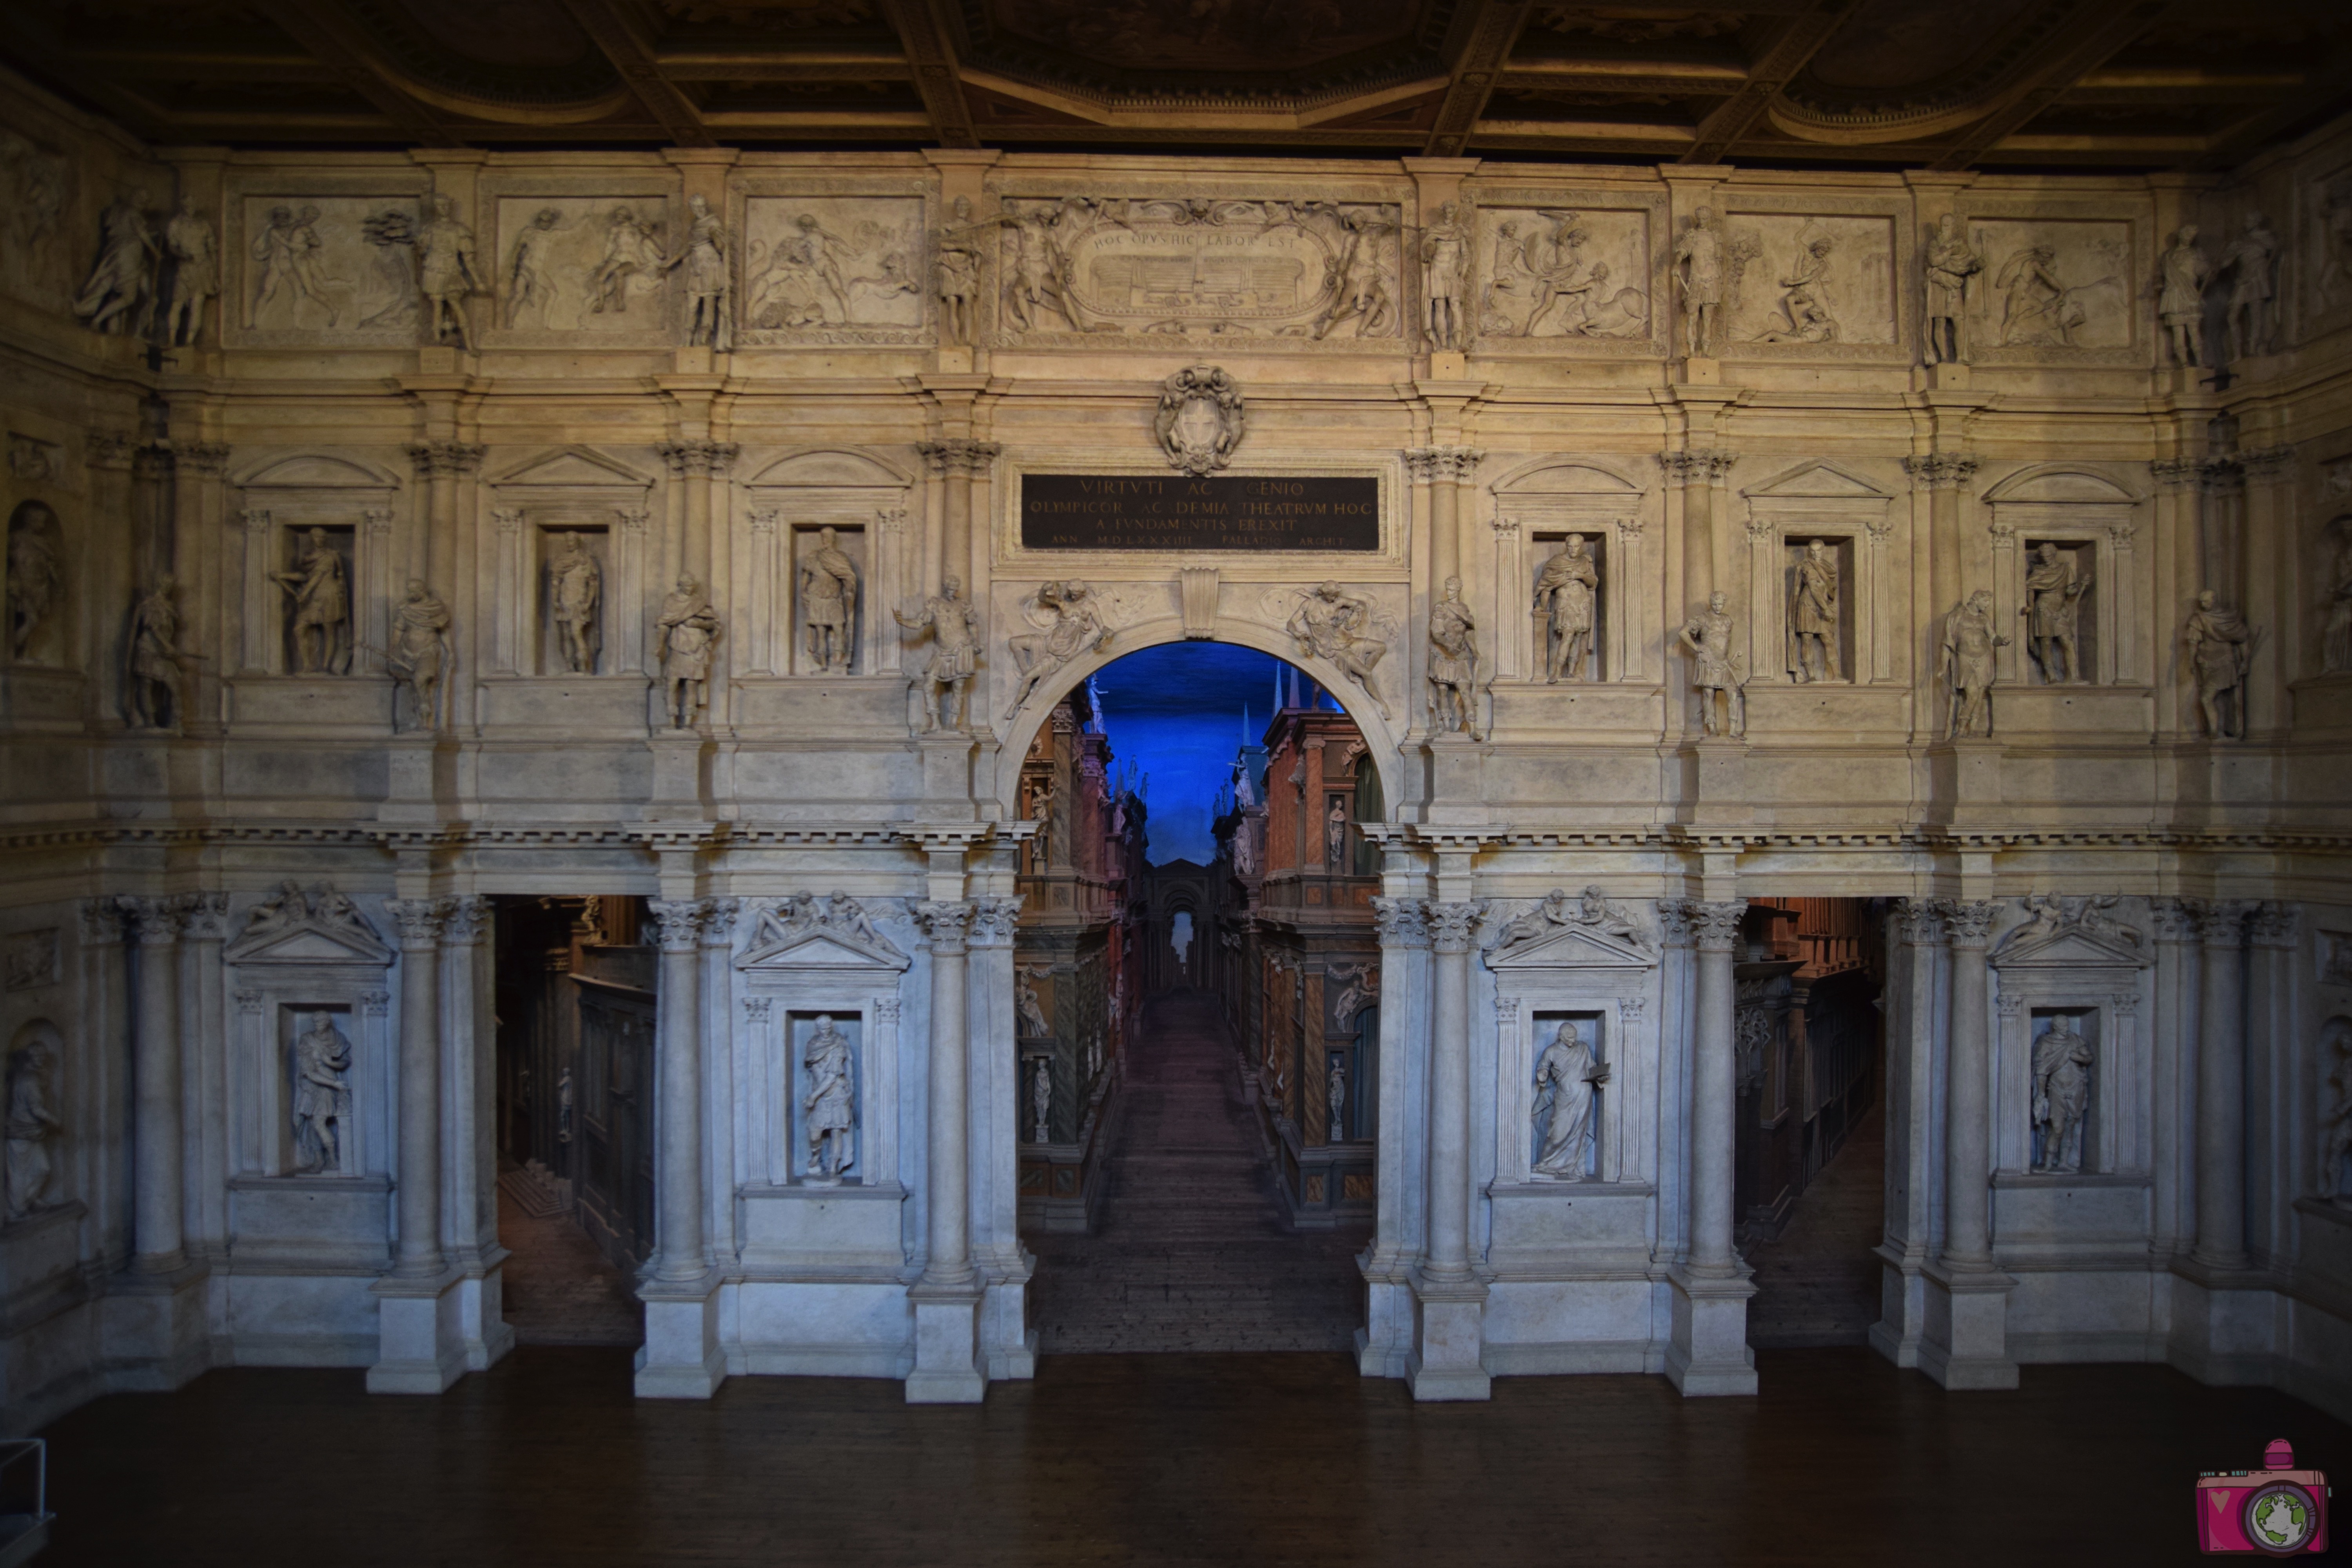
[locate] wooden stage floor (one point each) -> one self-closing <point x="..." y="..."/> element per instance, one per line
<point x="1243" y="1459"/>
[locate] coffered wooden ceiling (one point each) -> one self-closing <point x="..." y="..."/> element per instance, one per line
<point x="1916" y="83"/>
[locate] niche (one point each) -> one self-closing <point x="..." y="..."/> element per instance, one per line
<point x="1565" y="1109"/>
<point x="2061" y="1091"/>
<point x="1807" y="659"/>
<point x="314" y="580"/>
<point x="2057" y="601"/>
<point x="828" y="612"/>
<point x="36" y="595"/>
<point x="317" y="1044"/>
<point x="1572" y="599"/>
<point x="822" y="1117"/>
<point x="575" y="579"/>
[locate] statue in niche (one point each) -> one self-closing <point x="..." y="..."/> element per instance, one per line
<point x="828" y="1111"/>
<point x="689" y="629"/>
<point x="575" y="591"/>
<point x="2053" y="608"/>
<point x="946" y="678"/>
<point x="1966" y="660"/>
<point x="2335" y="1122"/>
<point x="1568" y="1077"/>
<point x="194" y="249"/>
<point x="1041" y="1100"/>
<point x="1077" y="626"/>
<point x="632" y="250"/>
<point x="418" y="660"/>
<point x="1041" y="812"/>
<point x="121" y="284"/>
<point x="152" y="676"/>
<point x="704" y="258"/>
<point x="1950" y="263"/>
<point x="1026" y="1000"/>
<point x="2251" y="260"/>
<point x="446" y="271"/>
<point x="2218" y="645"/>
<point x="322" y="1102"/>
<point x="2062" y="1095"/>
<point x="1332" y="624"/>
<point x="1334" y="1093"/>
<point x="1566" y="589"/>
<point x="1803" y="301"/>
<point x="1813" y="616"/>
<point x="1363" y="293"/>
<point x="829" y="604"/>
<point x="1201" y="420"/>
<point x="36" y="574"/>
<point x="1698" y="281"/>
<point x="1335" y="836"/>
<point x="2335" y="641"/>
<point x="2180" y="296"/>
<point x="320" y="590"/>
<point x="1445" y="263"/>
<point x="32" y="1126"/>
<point x="527" y="283"/>
<point x="1715" y="670"/>
<point x="959" y="273"/>
<point x="1454" y="663"/>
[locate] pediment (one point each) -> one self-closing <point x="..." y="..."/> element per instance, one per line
<point x="822" y="949"/>
<point x="317" y="472"/>
<point x="2075" y="949"/>
<point x="308" y="945"/>
<point x="833" y="469"/>
<point x="1566" y="479"/>
<point x="1818" y="480"/>
<point x="1573" y="947"/>
<point x="572" y="468"/>
<point x="2065" y="485"/>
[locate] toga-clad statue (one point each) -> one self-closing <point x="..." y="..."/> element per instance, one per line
<point x="575" y="591"/>
<point x="1567" y="1077"/>
<point x="445" y="272"/>
<point x="2219" y="644"/>
<point x="1454" y="663"/>
<point x="828" y="1111"/>
<point x="322" y="1102"/>
<point x="419" y="657"/>
<point x="1966" y="660"/>
<point x="1567" y="588"/>
<point x="30" y="1129"/>
<point x="829" y="604"/>
<point x="2062" y="1095"/>
<point x="152" y="695"/>
<point x="1813" y="616"/>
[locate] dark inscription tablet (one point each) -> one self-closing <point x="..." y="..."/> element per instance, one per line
<point x="1172" y="511"/>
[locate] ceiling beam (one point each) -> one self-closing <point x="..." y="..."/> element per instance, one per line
<point x="307" y="22"/>
<point x="632" y="56"/>
<point x="2102" y="29"/>
<point x="924" y="37"/>
<point x="1492" y="31"/>
<point x="28" y="41"/>
<point x="2329" y="80"/>
<point x="1793" y="42"/>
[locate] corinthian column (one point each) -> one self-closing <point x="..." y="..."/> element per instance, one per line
<point x="1446" y="468"/>
<point x="420" y="922"/>
<point x="2221" y="1088"/>
<point x="958" y="461"/>
<point x="679" y="1253"/>
<point x="156" y="1194"/>
<point x="947" y="1298"/>
<point x="1967" y="1119"/>
<point x="1447" y="1358"/>
<point x="1714" y="928"/>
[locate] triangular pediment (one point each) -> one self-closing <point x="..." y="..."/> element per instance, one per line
<point x="316" y="471"/>
<point x="573" y="467"/>
<point x="1573" y="947"/>
<point x="822" y="949"/>
<point x="309" y="944"/>
<point x="1818" y="480"/>
<point x="2075" y="949"/>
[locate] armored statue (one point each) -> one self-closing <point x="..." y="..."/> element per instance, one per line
<point x="829" y="604"/>
<point x="1715" y="670"/>
<point x="1813" y="616"/>
<point x="2053" y="592"/>
<point x="446" y="271"/>
<point x="1698" y="281"/>
<point x="35" y="576"/>
<point x="1445" y="266"/>
<point x="690" y="629"/>
<point x="2252" y="260"/>
<point x="152" y="700"/>
<point x="2180" y="296"/>
<point x="704" y="258"/>
<point x="319" y="588"/>
<point x="194" y="249"/>
<point x="2062" y="1095"/>
<point x="1567" y="588"/>
<point x="1949" y="266"/>
<point x="322" y="1102"/>
<point x="1454" y="663"/>
<point x="32" y="1126"/>
<point x="1966" y="660"/>
<point x="955" y="655"/>
<point x="828" y="1111"/>
<point x="419" y="656"/>
<point x="2218" y="645"/>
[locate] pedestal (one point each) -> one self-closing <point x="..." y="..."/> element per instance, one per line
<point x="1902" y="1307"/>
<point x="2222" y="1324"/>
<point x="482" y="1312"/>
<point x="680" y="1358"/>
<point x="154" y="1330"/>
<point x="1947" y="377"/>
<point x="1384" y="1344"/>
<point x="947" y="1346"/>
<point x="678" y="774"/>
<point x="955" y="360"/>
<point x="1965" y="779"/>
<point x="947" y="776"/>
<point x="420" y="1335"/>
<point x="1964" y="1331"/>
<point x="1714" y="780"/>
<point x="1009" y="1345"/>
<point x="1448" y="364"/>
<point x="1706" y="1352"/>
<point x="417" y="777"/>
<point x="1449" y="1340"/>
<point x="1455" y="791"/>
<point x="1700" y="371"/>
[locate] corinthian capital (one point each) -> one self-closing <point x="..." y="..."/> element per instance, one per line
<point x="469" y="918"/>
<point x="154" y="921"/>
<point x="441" y="460"/>
<point x="1941" y="470"/>
<point x="1399" y="922"/>
<point x="2221" y="922"/>
<point x="678" y="920"/>
<point x="960" y="455"/>
<point x="946" y="923"/>
<point x="420" y="921"/>
<point x="1919" y="922"/>
<point x="1968" y="921"/>
<point x="1452" y="928"/>
<point x="1715" y="924"/>
<point x="993" y="920"/>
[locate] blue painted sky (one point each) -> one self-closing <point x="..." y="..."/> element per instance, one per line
<point x="1175" y="713"/>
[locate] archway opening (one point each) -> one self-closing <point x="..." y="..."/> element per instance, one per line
<point x="1197" y="978"/>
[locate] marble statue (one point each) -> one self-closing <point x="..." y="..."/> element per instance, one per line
<point x="1565" y="594"/>
<point x="1026" y="1000"/>
<point x="418" y="660"/>
<point x="1335" y="1094"/>
<point x="829" y="604"/>
<point x="1813" y="616"/>
<point x="2218" y="645"/>
<point x="35" y="576"/>
<point x="828" y="1109"/>
<point x="2336" y="640"/>
<point x="1201" y="418"/>
<point x="1454" y="663"/>
<point x="122" y="283"/>
<point x="688" y="628"/>
<point x="704" y="258"/>
<point x="2180" y="296"/>
<point x="2053" y="608"/>
<point x="2336" y="1127"/>
<point x="1950" y="263"/>
<point x="319" y="586"/>
<point x="1360" y="988"/>
<point x="1041" y="812"/>
<point x="31" y="1127"/>
<point x="1331" y="625"/>
<point x="2062" y="1095"/>
<point x="1698" y="282"/>
<point x="1076" y="628"/>
<point x="2252" y="260"/>
<point x="1041" y="1100"/>
<point x="1568" y="1080"/>
<point x="289" y="909"/>
<point x="1715" y="669"/>
<point x="323" y="1100"/>
<point x="1444" y="267"/>
<point x="1363" y="293"/>
<point x="2056" y="914"/>
<point x="446" y="271"/>
<point x="1590" y="910"/>
<point x="1804" y="298"/>
<point x="286" y="264"/>
<point x="152" y="677"/>
<point x="1965" y="659"/>
<point x="575" y="593"/>
<point x="1039" y="267"/>
<point x="955" y="655"/>
<point x="527" y="281"/>
<point x="2034" y="303"/>
<point x="959" y="273"/>
<point x="194" y="248"/>
<point x="632" y="250"/>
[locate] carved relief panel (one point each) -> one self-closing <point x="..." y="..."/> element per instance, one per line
<point x="2056" y="287"/>
<point x="41" y="184"/>
<point x="563" y="263"/>
<point x="832" y="268"/>
<point x="1814" y="280"/>
<point x="333" y="260"/>
<point x="1572" y="271"/>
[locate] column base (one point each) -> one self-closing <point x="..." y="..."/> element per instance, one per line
<point x="1384" y="1344"/>
<point x="152" y="1325"/>
<point x="1009" y="1344"/>
<point x="680" y="1358"/>
<point x="947" y="1343"/>
<point x="481" y="1307"/>
<point x="2223" y="1324"/>
<point x="1964" y="1339"/>
<point x="1706" y="1352"/>
<point x="1447" y="1358"/>
<point x="1902" y="1307"/>
<point x="420" y="1335"/>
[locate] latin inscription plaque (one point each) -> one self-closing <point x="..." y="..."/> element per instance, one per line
<point x="1223" y="512"/>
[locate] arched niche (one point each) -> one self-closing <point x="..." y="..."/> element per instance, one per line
<point x="280" y="499"/>
<point x="2092" y="519"/>
<point x="1537" y="506"/>
<point x="865" y="499"/>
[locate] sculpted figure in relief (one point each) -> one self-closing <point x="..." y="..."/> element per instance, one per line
<point x="1363" y="294"/>
<point x="1444" y="264"/>
<point x="323" y="1103"/>
<point x="1966" y="660"/>
<point x="689" y="629"/>
<point x="575" y="591"/>
<point x="31" y="1127"/>
<point x="959" y="273"/>
<point x="1715" y="670"/>
<point x="419" y="656"/>
<point x="2053" y="592"/>
<point x="1698" y="281"/>
<point x="35" y="576"/>
<point x="122" y="283"/>
<point x="2180" y="296"/>
<point x="632" y="249"/>
<point x="2036" y="309"/>
<point x="153" y="701"/>
<point x="2252" y="260"/>
<point x="321" y="606"/>
<point x="194" y="249"/>
<point x="1590" y="909"/>
<point x="1567" y="588"/>
<point x="1805" y="301"/>
<point x="2218" y="645"/>
<point x="1454" y="663"/>
<point x="1566" y="1079"/>
<point x="1077" y="626"/>
<point x="445" y="272"/>
<point x="528" y="282"/>
<point x="828" y="1119"/>
<point x="1329" y="623"/>
<point x="704" y="258"/>
<point x="1950" y="264"/>
<point x="1813" y="616"/>
<point x="2062" y="1095"/>
<point x="955" y="654"/>
<point x="286" y="267"/>
<point x="829" y="604"/>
